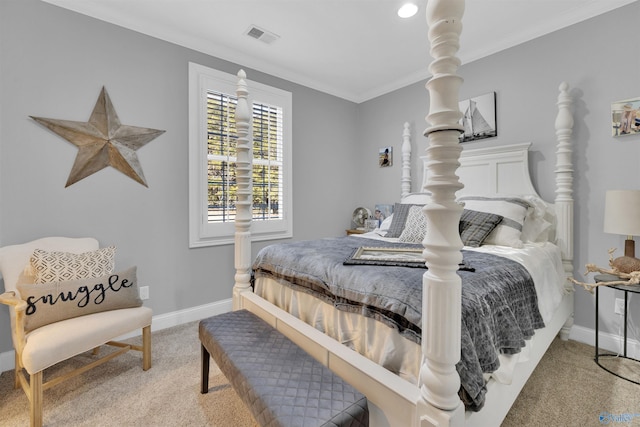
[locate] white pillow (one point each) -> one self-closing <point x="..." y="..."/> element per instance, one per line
<point x="416" y="199"/>
<point x="386" y="223"/>
<point x="14" y="259"/>
<point x="56" y="266"/>
<point x="512" y="209"/>
<point x="383" y="230"/>
<point x="539" y="224"/>
<point x="416" y="226"/>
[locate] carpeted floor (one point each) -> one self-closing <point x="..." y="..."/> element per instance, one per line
<point x="567" y="389"/>
<point x="120" y="393"/>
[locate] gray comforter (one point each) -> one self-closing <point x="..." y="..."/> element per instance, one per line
<point x="499" y="302"/>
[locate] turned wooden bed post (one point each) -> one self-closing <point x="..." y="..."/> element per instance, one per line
<point x="244" y="202"/>
<point x="564" y="178"/>
<point x="564" y="189"/>
<point x="441" y="305"/>
<point x="406" y="161"/>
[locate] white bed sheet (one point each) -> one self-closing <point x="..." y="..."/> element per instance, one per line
<point x="383" y="345"/>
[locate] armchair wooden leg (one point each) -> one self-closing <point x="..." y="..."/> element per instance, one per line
<point x="35" y="386"/>
<point x="16" y="381"/>
<point x="146" y="348"/>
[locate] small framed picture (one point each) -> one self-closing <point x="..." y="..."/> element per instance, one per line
<point x="385" y="157"/>
<point x="370" y="224"/>
<point x="625" y="117"/>
<point x="381" y="212"/>
<point x="401" y="257"/>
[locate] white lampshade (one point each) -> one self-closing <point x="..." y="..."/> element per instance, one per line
<point x="622" y="212"/>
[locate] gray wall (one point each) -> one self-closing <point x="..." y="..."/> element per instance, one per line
<point x="53" y="63"/>
<point x="595" y="58"/>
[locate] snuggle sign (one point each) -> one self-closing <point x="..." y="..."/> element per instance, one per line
<point x="84" y="295"/>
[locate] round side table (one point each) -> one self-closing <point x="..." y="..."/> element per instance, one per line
<point x="626" y="289"/>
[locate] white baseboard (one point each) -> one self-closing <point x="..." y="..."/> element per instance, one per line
<point x="606" y="341"/>
<point x="7" y="361"/>
<point x="159" y="322"/>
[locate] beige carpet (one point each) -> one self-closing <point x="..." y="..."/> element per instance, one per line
<point x="567" y="389"/>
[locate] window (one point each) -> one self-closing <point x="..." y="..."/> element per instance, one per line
<point x="212" y="161"/>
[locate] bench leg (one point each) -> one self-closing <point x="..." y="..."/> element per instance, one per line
<point x="204" y="381"/>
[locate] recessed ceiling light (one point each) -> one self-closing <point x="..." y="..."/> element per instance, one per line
<point x="407" y="10"/>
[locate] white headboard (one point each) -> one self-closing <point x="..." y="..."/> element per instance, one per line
<point x="494" y="170"/>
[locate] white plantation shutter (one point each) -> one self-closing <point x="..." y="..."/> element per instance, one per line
<point x="213" y="139"/>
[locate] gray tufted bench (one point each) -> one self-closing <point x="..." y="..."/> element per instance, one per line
<point x="280" y="383"/>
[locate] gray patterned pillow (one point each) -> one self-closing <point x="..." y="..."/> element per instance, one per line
<point x="476" y="226"/>
<point x="513" y="211"/>
<point x="400" y="212"/>
<point x="62" y="266"/>
<point x="415" y="227"/>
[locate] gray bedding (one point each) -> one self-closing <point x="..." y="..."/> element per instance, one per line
<point x="499" y="302"/>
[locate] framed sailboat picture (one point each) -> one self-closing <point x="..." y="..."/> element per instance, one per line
<point x="479" y="117"/>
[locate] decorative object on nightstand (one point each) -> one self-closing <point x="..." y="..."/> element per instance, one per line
<point x="371" y="224"/>
<point x="605" y="280"/>
<point x="621" y="216"/>
<point x="360" y="216"/>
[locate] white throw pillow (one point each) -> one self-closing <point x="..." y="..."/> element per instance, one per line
<point x="539" y="224"/>
<point x="51" y="266"/>
<point x="386" y="223"/>
<point x="416" y="226"/>
<point x="417" y="199"/>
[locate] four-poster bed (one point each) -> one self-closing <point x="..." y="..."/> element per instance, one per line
<point x="433" y="398"/>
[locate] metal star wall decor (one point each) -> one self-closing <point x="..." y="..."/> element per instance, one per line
<point x="103" y="141"/>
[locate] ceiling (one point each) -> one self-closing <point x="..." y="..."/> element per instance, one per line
<point x="354" y="49"/>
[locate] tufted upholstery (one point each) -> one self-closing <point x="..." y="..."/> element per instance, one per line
<point x="280" y="383"/>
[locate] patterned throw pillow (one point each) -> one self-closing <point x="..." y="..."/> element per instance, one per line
<point x="416" y="226"/>
<point x="63" y="266"/>
<point x="512" y="209"/>
<point x="400" y="213"/>
<point x="476" y="226"/>
<point x="53" y="302"/>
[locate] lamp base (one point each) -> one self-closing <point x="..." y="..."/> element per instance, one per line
<point x="630" y="248"/>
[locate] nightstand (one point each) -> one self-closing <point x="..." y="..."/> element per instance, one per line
<point x="355" y="231"/>
<point x="626" y="289"/>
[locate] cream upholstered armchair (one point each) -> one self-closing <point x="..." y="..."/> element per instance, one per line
<point x="49" y="321"/>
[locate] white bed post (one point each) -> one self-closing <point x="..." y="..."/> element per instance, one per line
<point x="245" y="199"/>
<point x="406" y="161"/>
<point x="564" y="189"/>
<point x="441" y="305"/>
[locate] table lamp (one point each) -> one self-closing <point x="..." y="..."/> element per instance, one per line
<point x="622" y="216"/>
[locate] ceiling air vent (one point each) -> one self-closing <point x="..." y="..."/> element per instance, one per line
<point x="261" y="34"/>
